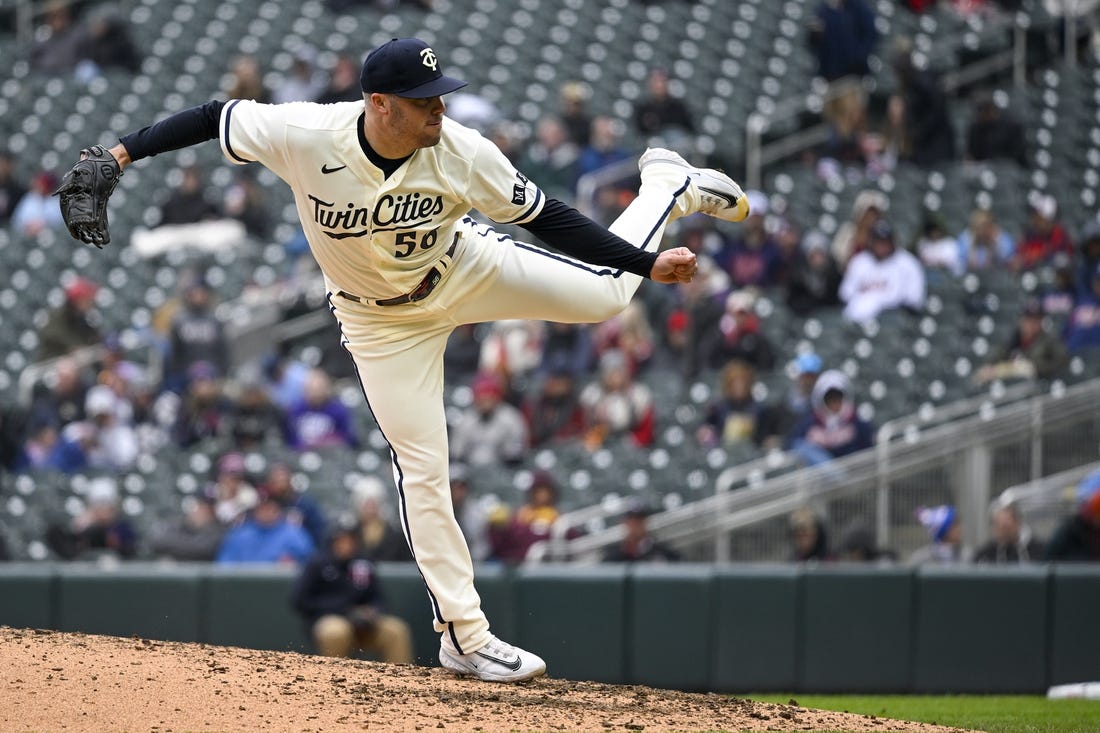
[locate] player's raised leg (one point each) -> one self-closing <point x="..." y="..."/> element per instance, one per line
<point x="537" y="284"/>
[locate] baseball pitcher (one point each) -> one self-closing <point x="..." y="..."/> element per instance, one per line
<point x="384" y="188"/>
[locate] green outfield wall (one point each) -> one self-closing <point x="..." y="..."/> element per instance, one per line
<point x="693" y="627"/>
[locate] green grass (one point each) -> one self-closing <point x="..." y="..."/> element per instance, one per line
<point x="993" y="713"/>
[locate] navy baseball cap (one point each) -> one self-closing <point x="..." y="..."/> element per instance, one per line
<point x="407" y="67"/>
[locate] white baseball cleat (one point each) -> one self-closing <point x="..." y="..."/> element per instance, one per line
<point x="716" y="194"/>
<point x="497" y="661"/>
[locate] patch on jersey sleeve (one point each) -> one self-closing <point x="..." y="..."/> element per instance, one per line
<point x="519" y="194"/>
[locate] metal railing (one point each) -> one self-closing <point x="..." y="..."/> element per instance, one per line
<point x="979" y="447"/>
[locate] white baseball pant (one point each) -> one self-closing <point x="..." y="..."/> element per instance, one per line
<point x="398" y="354"/>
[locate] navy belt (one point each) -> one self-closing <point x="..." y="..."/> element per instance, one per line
<point x="421" y="291"/>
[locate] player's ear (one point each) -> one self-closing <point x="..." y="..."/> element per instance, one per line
<point x="380" y="102"/>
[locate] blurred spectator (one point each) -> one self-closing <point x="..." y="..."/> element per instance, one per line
<point x="98" y="530"/>
<point x="566" y="347"/>
<point x="490" y="431"/>
<point x="551" y="159"/>
<point x="1044" y="237"/>
<point x="662" y="114"/>
<point x="56" y="47"/>
<point x="188" y="202"/>
<point x="814" y="280"/>
<point x="553" y="414"/>
<point x="245" y="80"/>
<point x="938" y="251"/>
<point x="994" y="134"/>
<point x="1012" y="540"/>
<point x="605" y="146"/>
<point x="735" y="335"/>
<point x="615" y="406"/>
<point x="343" y="84"/>
<point x="37" y="210"/>
<point x="1089" y="258"/>
<point x="45" y="448"/>
<point x="300" y="508"/>
<point x="809" y="540"/>
<point x="73" y="324"/>
<point x="204" y="410"/>
<point x="471" y="513"/>
<point x="628" y="331"/>
<point x="245" y="201"/>
<point x="230" y="493"/>
<point x="286" y="377"/>
<point x="832" y="428"/>
<point x="842" y="36"/>
<point x="196" y="335"/>
<point x="776" y="421"/>
<point x="59" y="400"/>
<point x="303" y="82"/>
<point x="983" y="244"/>
<point x="533" y="521"/>
<point x="1033" y="352"/>
<point x="106" y="43"/>
<point x="339" y="596"/>
<point x="473" y="110"/>
<point x="14" y="423"/>
<point x="945" y="532"/>
<point x="108" y="438"/>
<point x="857" y="544"/>
<point x="254" y="421"/>
<point x="699" y="304"/>
<point x="11" y="189"/>
<point x="929" y="130"/>
<point x="854" y="235"/>
<point x="845" y="115"/>
<point x="734" y="417"/>
<point x="193" y="536"/>
<point x="320" y="419"/>
<point x="638" y="545"/>
<point x="891" y="142"/>
<point x="753" y="259"/>
<point x="512" y="348"/>
<point x="574" y="97"/>
<point x="463" y="353"/>
<point x="379" y="539"/>
<point x="1058" y="297"/>
<point x="1077" y="538"/>
<point x="882" y="278"/>
<point x="265" y="536"/>
<point x="1083" y="328"/>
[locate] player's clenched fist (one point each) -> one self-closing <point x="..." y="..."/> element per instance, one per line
<point x="675" y="266"/>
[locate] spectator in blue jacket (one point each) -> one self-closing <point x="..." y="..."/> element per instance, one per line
<point x="833" y="428"/>
<point x="300" y="508"/>
<point x="266" y="537"/>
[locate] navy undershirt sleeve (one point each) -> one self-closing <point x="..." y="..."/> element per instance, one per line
<point x="181" y="130"/>
<point x="566" y="229"/>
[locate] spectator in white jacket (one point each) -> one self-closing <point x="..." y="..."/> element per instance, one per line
<point x="881" y="278"/>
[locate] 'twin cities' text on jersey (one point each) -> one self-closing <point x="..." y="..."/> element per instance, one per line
<point x="374" y="236"/>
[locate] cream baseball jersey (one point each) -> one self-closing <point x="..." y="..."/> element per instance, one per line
<point x="372" y="236"/>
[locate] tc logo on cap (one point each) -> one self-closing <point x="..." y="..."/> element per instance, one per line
<point x="429" y="59"/>
<point x="407" y="67"/>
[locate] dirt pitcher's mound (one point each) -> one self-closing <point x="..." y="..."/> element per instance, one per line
<point x="51" y="681"/>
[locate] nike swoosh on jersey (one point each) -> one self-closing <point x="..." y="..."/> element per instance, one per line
<point x="731" y="200"/>
<point x="326" y="169"/>
<point x="507" y="665"/>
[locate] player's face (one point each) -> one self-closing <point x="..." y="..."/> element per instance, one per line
<point x="416" y="123"/>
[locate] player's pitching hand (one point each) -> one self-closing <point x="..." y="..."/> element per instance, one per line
<point x="676" y="265"/>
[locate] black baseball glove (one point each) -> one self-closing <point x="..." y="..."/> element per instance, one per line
<point x="84" y="192"/>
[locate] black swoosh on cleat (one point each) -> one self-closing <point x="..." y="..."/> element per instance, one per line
<point x="326" y="169"/>
<point x="514" y="666"/>
<point x="731" y="200"/>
